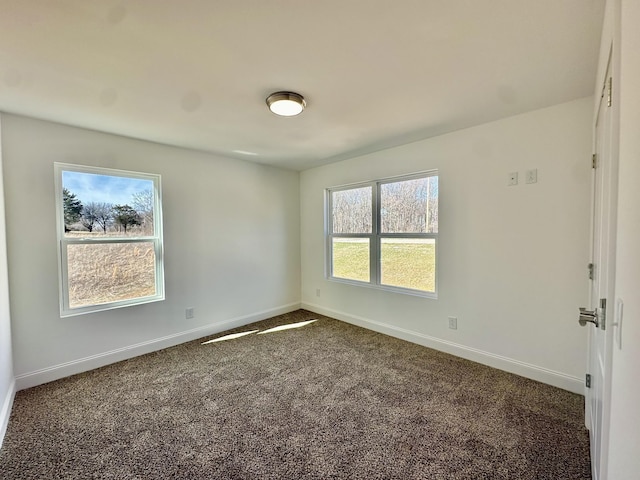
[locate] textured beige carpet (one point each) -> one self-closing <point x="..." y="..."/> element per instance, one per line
<point x="324" y="401"/>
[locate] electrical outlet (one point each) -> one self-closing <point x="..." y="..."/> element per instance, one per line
<point x="513" y="179"/>
<point x="317" y="292"/>
<point x="189" y="313"/>
<point x="453" y="323"/>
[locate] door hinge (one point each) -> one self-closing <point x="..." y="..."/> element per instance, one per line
<point x="590" y="267"/>
<point x="594" y="161"/>
<point x="609" y="92"/>
<point x="587" y="380"/>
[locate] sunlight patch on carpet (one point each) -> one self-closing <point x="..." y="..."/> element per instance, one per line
<point x="229" y="337"/>
<point x="289" y="326"/>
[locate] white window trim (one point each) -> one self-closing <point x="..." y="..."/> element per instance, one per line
<point x="375" y="237"/>
<point x="63" y="242"/>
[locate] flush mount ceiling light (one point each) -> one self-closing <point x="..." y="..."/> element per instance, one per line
<point x="286" y="104"/>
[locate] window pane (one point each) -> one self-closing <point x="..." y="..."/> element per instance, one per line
<point x="102" y="273"/>
<point x="107" y="204"/>
<point x="409" y="206"/>
<point x="352" y="210"/>
<point x="409" y="263"/>
<point x="351" y="258"/>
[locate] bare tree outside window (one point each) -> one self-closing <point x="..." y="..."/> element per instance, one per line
<point x="143" y="203"/>
<point x="103" y="213"/>
<point x="409" y="206"/>
<point x="352" y="210"/>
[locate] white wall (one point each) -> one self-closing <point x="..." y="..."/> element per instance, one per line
<point x="512" y="260"/>
<point x="232" y="252"/>
<point x="7" y="385"/>
<point x="624" y="445"/>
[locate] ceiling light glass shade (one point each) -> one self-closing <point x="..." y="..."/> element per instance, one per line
<point x="286" y="104"/>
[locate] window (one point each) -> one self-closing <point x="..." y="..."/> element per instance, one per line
<point x="109" y="225"/>
<point x="385" y="233"/>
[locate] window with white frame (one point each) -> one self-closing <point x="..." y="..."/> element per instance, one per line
<point x="109" y="225"/>
<point x="384" y="233"/>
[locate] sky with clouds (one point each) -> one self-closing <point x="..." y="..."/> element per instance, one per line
<point x="91" y="187"/>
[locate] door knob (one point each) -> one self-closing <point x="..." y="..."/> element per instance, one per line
<point x="588" y="316"/>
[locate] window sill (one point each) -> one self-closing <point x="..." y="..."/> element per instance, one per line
<point x="72" y="312"/>
<point x="386" y="288"/>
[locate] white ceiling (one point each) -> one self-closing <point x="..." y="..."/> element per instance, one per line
<point x="375" y="73"/>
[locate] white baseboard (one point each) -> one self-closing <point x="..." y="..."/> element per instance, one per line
<point x="5" y="412"/>
<point x="534" y="372"/>
<point x="56" y="372"/>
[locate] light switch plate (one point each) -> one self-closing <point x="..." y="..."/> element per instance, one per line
<point x="531" y="176"/>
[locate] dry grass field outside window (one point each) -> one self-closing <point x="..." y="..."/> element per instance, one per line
<point x="109" y="272"/>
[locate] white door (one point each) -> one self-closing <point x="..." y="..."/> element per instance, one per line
<point x="597" y="316"/>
